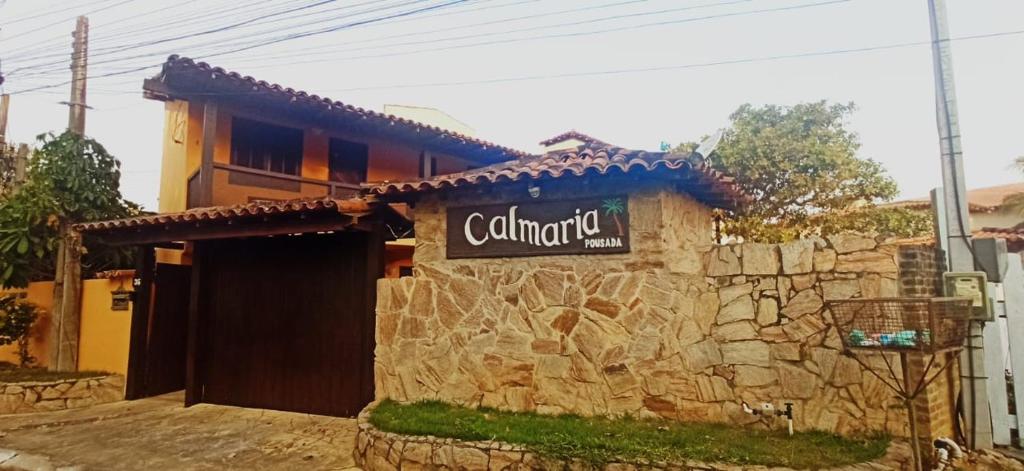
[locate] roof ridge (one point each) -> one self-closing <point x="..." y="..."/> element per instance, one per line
<point x="175" y="60"/>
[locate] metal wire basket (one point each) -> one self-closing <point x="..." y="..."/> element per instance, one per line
<point x="926" y="325"/>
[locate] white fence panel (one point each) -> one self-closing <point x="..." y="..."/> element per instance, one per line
<point x="1013" y="292"/>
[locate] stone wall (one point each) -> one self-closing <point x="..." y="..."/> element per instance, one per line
<point x="16" y="398"/>
<point x="676" y="328"/>
<point x="381" y="451"/>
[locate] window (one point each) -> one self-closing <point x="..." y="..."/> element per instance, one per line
<point x="266" y="147"/>
<point x="348" y="161"/>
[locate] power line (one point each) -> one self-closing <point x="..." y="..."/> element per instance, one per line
<point x="116" y="49"/>
<point x="55" y="23"/>
<point x="473" y="25"/>
<point x="38" y="48"/>
<point x="539" y="27"/>
<point x="273" y="41"/>
<point x="573" y="34"/>
<point x="63" y="9"/>
<point x="748" y="60"/>
<point x="502" y="41"/>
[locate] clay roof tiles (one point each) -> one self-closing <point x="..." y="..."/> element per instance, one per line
<point x="573" y="134"/>
<point x="184" y="75"/>
<point x="350" y="207"/>
<point x="979" y="200"/>
<point x="711" y="186"/>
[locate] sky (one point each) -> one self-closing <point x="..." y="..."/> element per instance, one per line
<point x="632" y="72"/>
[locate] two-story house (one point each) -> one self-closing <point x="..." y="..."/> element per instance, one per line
<point x="257" y="280"/>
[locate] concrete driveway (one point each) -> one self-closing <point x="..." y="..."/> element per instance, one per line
<point x="159" y="433"/>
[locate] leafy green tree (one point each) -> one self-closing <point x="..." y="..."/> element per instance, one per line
<point x="70" y="179"/>
<point x="800" y="166"/>
<point x="16" y="319"/>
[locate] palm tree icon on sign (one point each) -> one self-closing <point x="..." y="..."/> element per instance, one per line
<point x="613" y="207"/>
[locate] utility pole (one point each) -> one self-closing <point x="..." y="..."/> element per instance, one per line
<point x="958" y="235"/>
<point x="67" y="281"/>
<point x="5" y="104"/>
<point x="79" y="62"/>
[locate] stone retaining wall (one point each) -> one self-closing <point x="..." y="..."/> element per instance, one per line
<point x="676" y="328"/>
<point x="382" y="451"/>
<point x="16" y="398"/>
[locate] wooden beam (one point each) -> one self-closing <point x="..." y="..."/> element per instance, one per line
<point x="206" y="164"/>
<point x="138" y="342"/>
<point x="193" y="366"/>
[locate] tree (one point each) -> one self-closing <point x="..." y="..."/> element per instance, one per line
<point x="799" y="164"/>
<point x="70" y="179"/>
<point x="16" y="319"/>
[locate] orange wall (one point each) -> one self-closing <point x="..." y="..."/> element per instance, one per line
<point x="182" y="149"/>
<point x="395" y="257"/>
<point x="104" y="334"/>
<point x="103" y="338"/>
<point x="41" y="294"/>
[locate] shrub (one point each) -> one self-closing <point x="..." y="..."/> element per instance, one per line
<point x="16" y="319"/>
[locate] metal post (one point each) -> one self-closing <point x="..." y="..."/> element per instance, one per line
<point x="79" y="62"/>
<point x="961" y="258"/>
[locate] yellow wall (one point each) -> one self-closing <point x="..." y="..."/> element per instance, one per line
<point x="182" y="149"/>
<point x="173" y="165"/>
<point x="104" y="334"/>
<point x="41" y="294"/>
<point x="103" y="339"/>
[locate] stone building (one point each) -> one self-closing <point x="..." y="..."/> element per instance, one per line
<point x="674" y="326"/>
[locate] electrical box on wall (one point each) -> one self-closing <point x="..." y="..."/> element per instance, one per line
<point x="991" y="258"/>
<point x="973" y="285"/>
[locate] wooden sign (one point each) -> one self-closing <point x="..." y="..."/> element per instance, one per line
<point x="534" y="228"/>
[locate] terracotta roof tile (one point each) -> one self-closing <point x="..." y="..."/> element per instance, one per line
<point x="1014" y="237"/>
<point x="573" y="134"/>
<point x="979" y="200"/>
<point x="350" y="207"/>
<point x="189" y="76"/>
<point x="717" y="189"/>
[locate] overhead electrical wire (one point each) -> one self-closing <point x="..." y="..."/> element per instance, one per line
<point x="189" y="21"/>
<point x="58" y="65"/>
<point x="559" y="25"/>
<point x="666" y="68"/>
<point x="567" y="34"/>
<point x="117" y="33"/>
<point x="63" y="9"/>
<point x="64" y="20"/>
<point x="727" y="2"/>
<point x="102" y="51"/>
<point x="271" y="41"/>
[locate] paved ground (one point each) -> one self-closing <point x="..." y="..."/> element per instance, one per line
<point x="158" y="433"/>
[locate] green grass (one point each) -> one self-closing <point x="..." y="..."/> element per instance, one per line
<point x="599" y="440"/>
<point x="12" y="374"/>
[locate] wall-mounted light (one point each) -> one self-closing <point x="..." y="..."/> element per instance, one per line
<point x="534" y="190"/>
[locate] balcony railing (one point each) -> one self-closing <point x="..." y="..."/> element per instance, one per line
<point x="233" y="184"/>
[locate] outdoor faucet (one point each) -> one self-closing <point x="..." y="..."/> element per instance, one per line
<point x="768" y="409"/>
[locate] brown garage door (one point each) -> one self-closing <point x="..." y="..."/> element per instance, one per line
<point x="287" y="322"/>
